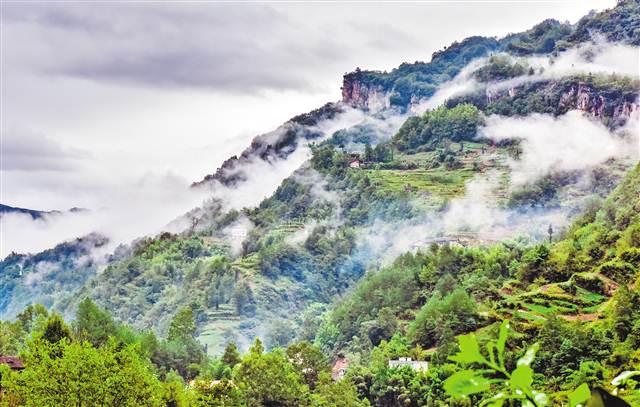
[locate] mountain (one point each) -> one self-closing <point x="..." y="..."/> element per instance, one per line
<point x="6" y="209"/>
<point x="496" y="182"/>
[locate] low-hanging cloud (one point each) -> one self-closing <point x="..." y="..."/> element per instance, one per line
<point x="463" y="83"/>
<point x="475" y="218"/>
<point x="263" y="176"/>
<point x="130" y="210"/>
<point x="569" y="142"/>
<point x="597" y="57"/>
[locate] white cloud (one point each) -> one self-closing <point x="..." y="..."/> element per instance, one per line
<point x="572" y="141"/>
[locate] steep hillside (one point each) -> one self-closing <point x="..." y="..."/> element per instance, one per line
<point x="386" y="183"/>
<point x="576" y="296"/>
<point x="407" y="84"/>
<point x="49" y="277"/>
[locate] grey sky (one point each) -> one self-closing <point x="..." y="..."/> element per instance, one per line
<point x="98" y="97"/>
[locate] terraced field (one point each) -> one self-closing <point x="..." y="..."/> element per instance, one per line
<point x="219" y="328"/>
<point x="246" y="266"/>
<point x="441" y="183"/>
<point x="435" y="181"/>
<point x="562" y="299"/>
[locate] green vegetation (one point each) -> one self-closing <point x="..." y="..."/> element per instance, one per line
<point x="130" y="368"/>
<point x="420" y="79"/>
<point x="170" y="319"/>
<point x="556" y="96"/>
<point x="541" y="39"/>
<point x="456" y="124"/>
<point x="584" y="328"/>
<point x="501" y="67"/>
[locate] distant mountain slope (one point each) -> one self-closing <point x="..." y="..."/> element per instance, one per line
<point x="409" y="83"/>
<point x="276" y="145"/>
<point x="5" y="209"/>
<point x="50" y="277"/>
<point x="362" y="199"/>
<point x="35" y="214"/>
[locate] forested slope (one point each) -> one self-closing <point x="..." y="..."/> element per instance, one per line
<point x="415" y="224"/>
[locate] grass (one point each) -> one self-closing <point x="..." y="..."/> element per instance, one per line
<point x="249" y="265"/>
<point x="434" y="186"/>
<point x="556" y="298"/>
<point x="438" y="181"/>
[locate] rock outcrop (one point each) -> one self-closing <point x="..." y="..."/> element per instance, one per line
<point x="607" y="103"/>
<point x="584" y="97"/>
<point x="358" y="93"/>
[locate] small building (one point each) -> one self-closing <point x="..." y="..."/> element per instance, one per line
<point x="14" y="362"/>
<point x="417" y="365"/>
<point x="339" y="368"/>
<point x="355" y="163"/>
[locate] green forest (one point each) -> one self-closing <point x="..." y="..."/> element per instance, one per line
<point x="346" y="286"/>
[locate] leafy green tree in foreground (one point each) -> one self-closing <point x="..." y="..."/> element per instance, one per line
<point x="231" y="356"/>
<point x="93" y="324"/>
<point x="509" y="385"/>
<point x="55" y="330"/>
<point x="183" y="325"/>
<point x="77" y="374"/>
<point x="269" y="379"/>
<point x="514" y="385"/>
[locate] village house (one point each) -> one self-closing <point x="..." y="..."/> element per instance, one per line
<point x="339" y="368"/>
<point x="355" y="163"/>
<point x="13" y="362"/>
<point x="418" y="366"/>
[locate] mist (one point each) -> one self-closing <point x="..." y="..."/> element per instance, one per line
<point x="129" y="211"/>
<point x="597" y="57"/>
<point x="573" y="141"/>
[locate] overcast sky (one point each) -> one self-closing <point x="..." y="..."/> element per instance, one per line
<point x="99" y="96"/>
<point x="106" y="104"/>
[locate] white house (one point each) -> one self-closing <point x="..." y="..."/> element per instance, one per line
<point x="417" y="365"/>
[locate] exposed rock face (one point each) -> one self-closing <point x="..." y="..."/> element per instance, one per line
<point x="584" y="97"/>
<point x="361" y="95"/>
<point x="602" y="103"/>
<point x="625" y="110"/>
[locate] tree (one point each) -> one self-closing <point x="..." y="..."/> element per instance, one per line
<point x="175" y="394"/>
<point x="336" y="394"/>
<point x="82" y="375"/>
<point x="183" y="325"/>
<point x="309" y="362"/>
<point x="222" y="394"/>
<point x="55" y="330"/>
<point x="32" y="315"/>
<point x="231" y="356"/>
<point x="244" y="301"/>
<point x="269" y="379"/>
<point x="93" y="324"/>
<point x="368" y="153"/>
<point x="11" y="337"/>
<point x="327" y="337"/>
<point x="455" y="312"/>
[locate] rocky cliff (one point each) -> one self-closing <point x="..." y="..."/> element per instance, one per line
<point x="592" y="100"/>
<point x="357" y="93"/>
<point x="610" y="99"/>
